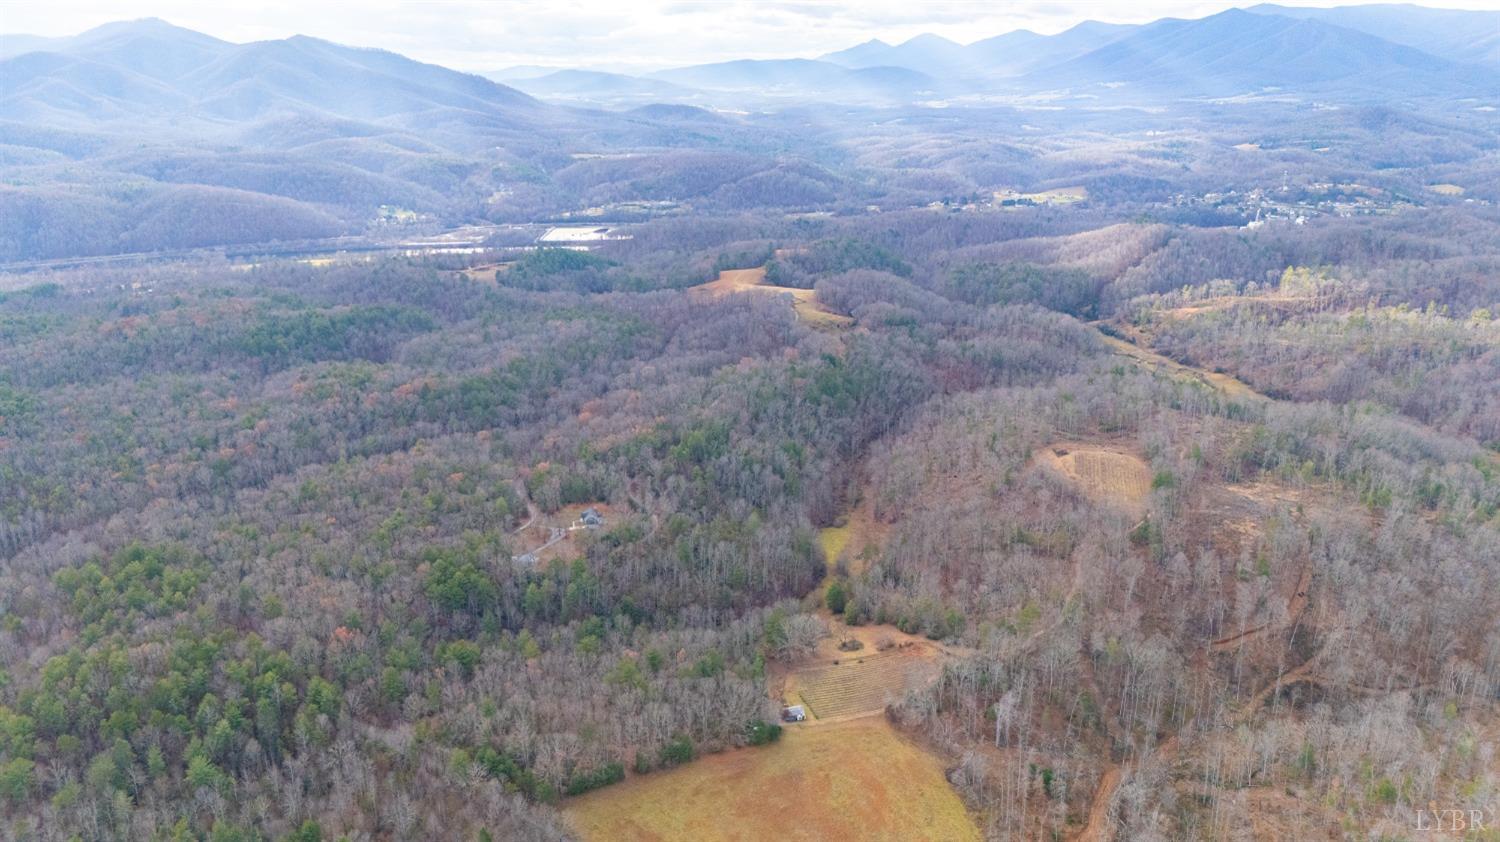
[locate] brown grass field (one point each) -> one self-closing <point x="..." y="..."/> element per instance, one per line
<point x="804" y="301"/>
<point x="1106" y="476"/>
<point x="857" y="781"/>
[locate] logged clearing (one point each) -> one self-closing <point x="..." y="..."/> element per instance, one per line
<point x="804" y="301"/>
<point x="1106" y="476"/>
<point x="1446" y="189"/>
<point x="853" y="781"/>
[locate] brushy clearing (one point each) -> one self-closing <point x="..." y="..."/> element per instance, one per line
<point x="1222" y="382"/>
<point x="834" y="539"/>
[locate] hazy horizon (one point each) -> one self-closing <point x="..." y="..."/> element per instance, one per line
<point x="594" y="35"/>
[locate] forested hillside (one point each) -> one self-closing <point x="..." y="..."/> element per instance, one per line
<point x="262" y="526"/>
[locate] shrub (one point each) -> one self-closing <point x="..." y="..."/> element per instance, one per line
<point x="581" y="782"/>
<point x="676" y="752"/>
<point x="836" y="598"/>
<point x="763" y="733"/>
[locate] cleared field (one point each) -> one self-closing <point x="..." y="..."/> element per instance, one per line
<point x="1103" y="475"/>
<point x="1056" y="196"/>
<point x="734" y="280"/>
<point x="487" y="273"/>
<point x="804" y="301"/>
<point x="1446" y="189"/>
<point x="860" y="685"/>
<point x="1062" y="195"/>
<point x="857" y="780"/>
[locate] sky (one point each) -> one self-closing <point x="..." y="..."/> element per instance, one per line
<point x="621" y="35"/>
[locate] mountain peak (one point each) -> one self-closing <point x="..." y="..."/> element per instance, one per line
<point x="927" y="39"/>
<point x="151" y="27"/>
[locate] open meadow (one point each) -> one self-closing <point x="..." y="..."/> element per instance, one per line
<point x="858" y="780"/>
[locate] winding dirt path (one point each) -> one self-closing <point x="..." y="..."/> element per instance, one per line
<point x="531" y="510"/>
<point x="1294" y="608"/>
<point x="1300" y="673"/>
<point x="1100" y="827"/>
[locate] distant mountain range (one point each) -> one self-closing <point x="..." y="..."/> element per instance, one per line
<point x="1005" y="55"/>
<point x="1238" y="52"/>
<point x="130" y="72"/>
<point x="142" y="135"/>
<point x="150" y="71"/>
<point x="1365" y="53"/>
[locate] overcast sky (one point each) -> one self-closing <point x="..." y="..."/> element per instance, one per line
<point x="480" y="35"/>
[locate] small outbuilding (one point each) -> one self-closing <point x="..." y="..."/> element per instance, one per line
<point x="793" y="713"/>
